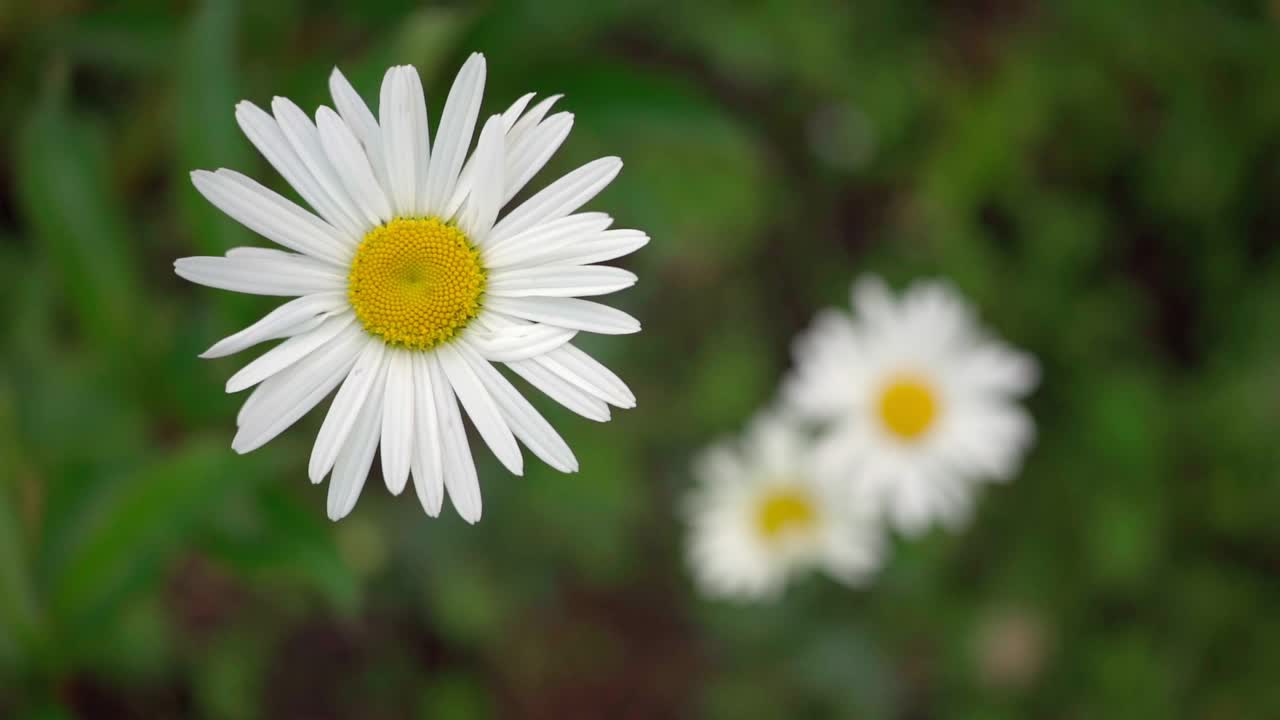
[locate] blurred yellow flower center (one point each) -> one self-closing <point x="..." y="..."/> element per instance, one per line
<point x="782" y="511"/>
<point x="415" y="282"/>
<point x="908" y="407"/>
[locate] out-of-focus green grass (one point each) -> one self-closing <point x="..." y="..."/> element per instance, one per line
<point x="1101" y="178"/>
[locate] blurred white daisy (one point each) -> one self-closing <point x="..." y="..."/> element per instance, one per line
<point x="762" y="513"/>
<point x="410" y="286"/>
<point x="918" y="405"/>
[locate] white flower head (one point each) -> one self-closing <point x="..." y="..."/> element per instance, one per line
<point x="411" y="283"/>
<point x="763" y="513"/>
<point x="918" y="405"/>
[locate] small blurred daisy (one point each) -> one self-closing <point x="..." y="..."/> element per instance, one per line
<point x="410" y="287"/>
<point x="762" y="513"/>
<point x="918" y="404"/>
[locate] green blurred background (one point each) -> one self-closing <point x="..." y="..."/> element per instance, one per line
<point x="1102" y="178"/>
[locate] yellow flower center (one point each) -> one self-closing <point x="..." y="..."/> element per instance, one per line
<point x="908" y="407"/>
<point x="783" y="511"/>
<point x="415" y="282"/>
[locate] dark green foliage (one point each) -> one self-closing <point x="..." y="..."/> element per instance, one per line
<point x="1102" y="179"/>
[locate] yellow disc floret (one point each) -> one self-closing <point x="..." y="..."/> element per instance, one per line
<point x="784" y="510"/>
<point x="908" y="407"/>
<point x="415" y="282"/>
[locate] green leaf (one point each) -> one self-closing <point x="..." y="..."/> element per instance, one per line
<point x="664" y="128"/>
<point x="275" y="538"/>
<point x="20" y="617"/>
<point x="150" y="517"/>
<point x="69" y="203"/>
<point x="207" y="136"/>
<point x="455" y="695"/>
<point x="121" y="38"/>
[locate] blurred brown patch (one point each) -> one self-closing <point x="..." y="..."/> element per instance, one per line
<point x="620" y="654"/>
<point x="202" y="598"/>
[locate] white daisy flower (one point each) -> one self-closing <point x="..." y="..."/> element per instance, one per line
<point x="762" y="513"/>
<point x="918" y="404"/>
<point x="411" y="284"/>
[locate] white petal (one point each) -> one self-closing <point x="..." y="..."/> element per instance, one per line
<point x="279" y="323"/>
<point x="481" y="409"/>
<point x="287" y="396"/>
<point x="354" y="393"/>
<point x="361" y="121"/>
<point x="559" y="281"/>
<point x="542" y="239"/>
<point x="397" y="421"/>
<point x="266" y="135"/>
<point x="272" y="254"/>
<point x="287" y="275"/>
<point x="873" y="301"/>
<point x="516" y="136"/>
<point x="525" y="422"/>
<point x="530" y="120"/>
<point x="997" y="368"/>
<point x="590" y="374"/>
<point x="567" y="313"/>
<point x="593" y="249"/>
<point x="344" y="151"/>
<point x="561" y="391"/>
<point x="422" y="137"/>
<point x="287" y="353"/>
<point x="427" y="463"/>
<point x="534" y="149"/>
<point x="405" y="136"/>
<point x="519" y="342"/>
<point x="305" y="140"/>
<point x="513" y="113"/>
<point x="458" y="466"/>
<point x="559" y="198"/>
<point x="272" y="216"/>
<point x="485" y="198"/>
<point x="352" y="467"/>
<point x="248" y="408"/>
<point x="454" y="138"/>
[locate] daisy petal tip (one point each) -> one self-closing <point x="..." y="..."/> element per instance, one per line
<point x="474" y="510"/>
<point x="339" y="507"/>
<point x="314" y="476"/>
